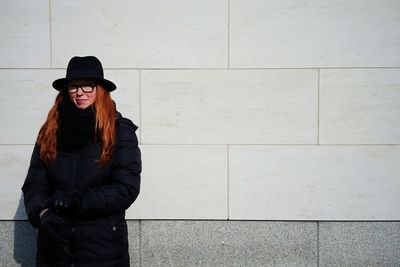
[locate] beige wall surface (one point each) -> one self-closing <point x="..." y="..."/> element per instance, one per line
<point x="247" y="109"/>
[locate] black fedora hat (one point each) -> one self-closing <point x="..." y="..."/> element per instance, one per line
<point x="88" y="67"/>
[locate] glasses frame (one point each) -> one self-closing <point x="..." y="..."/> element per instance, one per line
<point x="74" y="90"/>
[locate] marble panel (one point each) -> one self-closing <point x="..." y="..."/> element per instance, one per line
<point x="182" y="182"/>
<point x="142" y="34"/>
<point x="26" y="98"/>
<point x="359" y="106"/>
<point x="308" y="34"/>
<point x="314" y="182"/>
<point x="25" y="34"/>
<point x="229" y="106"/>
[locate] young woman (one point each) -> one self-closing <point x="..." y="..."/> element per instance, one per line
<point x="84" y="173"/>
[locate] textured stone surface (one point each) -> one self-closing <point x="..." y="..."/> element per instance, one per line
<point x="14" y="162"/>
<point x="24" y="34"/>
<point x="152" y="33"/>
<point x="134" y="242"/>
<point x="18" y="244"/>
<point x="183" y="243"/>
<point x="266" y="243"/>
<point x="307" y="33"/>
<point x="24" y="109"/>
<point x="228" y="243"/>
<point x="184" y="182"/>
<point x="359" y="106"/>
<point x="359" y="244"/>
<point x="235" y="243"/>
<point x="314" y="182"/>
<point x="229" y="107"/>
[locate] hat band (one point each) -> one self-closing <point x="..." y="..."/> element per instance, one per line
<point x="84" y="73"/>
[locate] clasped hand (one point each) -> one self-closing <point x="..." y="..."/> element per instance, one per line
<point x="66" y="203"/>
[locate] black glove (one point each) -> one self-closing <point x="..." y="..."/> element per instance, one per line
<point x="49" y="219"/>
<point x="67" y="203"/>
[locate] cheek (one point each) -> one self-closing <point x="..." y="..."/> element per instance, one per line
<point x="92" y="98"/>
<point x="72" y="97"/>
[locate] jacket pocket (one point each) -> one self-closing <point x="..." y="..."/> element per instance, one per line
<point x="108" y="241"/>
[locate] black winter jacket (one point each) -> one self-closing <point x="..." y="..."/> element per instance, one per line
<point x="97" y="236"/>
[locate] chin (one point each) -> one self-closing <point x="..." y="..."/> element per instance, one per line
<point x="82" y="106"/>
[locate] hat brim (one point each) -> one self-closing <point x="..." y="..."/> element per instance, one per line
<point x="108" y="85"/>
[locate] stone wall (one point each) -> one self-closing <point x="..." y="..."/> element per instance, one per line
<point x="269" y="129"/>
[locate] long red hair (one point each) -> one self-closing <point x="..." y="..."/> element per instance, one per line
<point x="105" y="127"/>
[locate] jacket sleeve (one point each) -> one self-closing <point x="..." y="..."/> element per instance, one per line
<point x="36" y="188"/>
<point x="124" y="188"/>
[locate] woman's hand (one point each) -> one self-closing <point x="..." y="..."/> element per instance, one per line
<point x="67" y="203"/>
<point x="48" y="219"/>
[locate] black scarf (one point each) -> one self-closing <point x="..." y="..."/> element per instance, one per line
<point x="76" y="126"/>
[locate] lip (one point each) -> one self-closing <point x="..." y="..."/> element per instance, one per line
<point x="81" y="101"/>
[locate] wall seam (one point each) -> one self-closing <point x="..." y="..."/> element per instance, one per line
<point x="230" y="68"/>
<point x="317" y="243"/>
<point x="238" y="144"/>
<point x="253" y="144"/>
<point x="140" y="243"/>
<point x="140" y="105"/>
<point x="228" y="193"/>
<point x="229" y="23"/>
<point x="50" y="36"/>
<point x="319" y="74"/>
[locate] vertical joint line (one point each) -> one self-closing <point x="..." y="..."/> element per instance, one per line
<point x="227" y="179"/>
<point x="140" y="242"/>
<point x="140" y="104"/>
<point x="319" y="74"/>
<point x="50" y="37"/>
<point x="229" y="22"/>
<point x="317" y="243"/>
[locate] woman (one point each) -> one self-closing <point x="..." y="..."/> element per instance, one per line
<point x="84" y="173"/>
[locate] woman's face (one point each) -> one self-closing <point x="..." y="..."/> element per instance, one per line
<point x="82" y="92"/>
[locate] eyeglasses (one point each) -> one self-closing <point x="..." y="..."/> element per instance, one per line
<point x="86" y="88"/>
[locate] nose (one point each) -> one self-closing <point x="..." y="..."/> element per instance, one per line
<point x="79" y="91"/>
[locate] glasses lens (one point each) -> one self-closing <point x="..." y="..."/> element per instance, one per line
<point x="72" y="88"/>
<point x="86" y="88"/>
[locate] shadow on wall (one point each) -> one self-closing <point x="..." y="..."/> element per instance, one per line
<point x="24" y="238"/>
